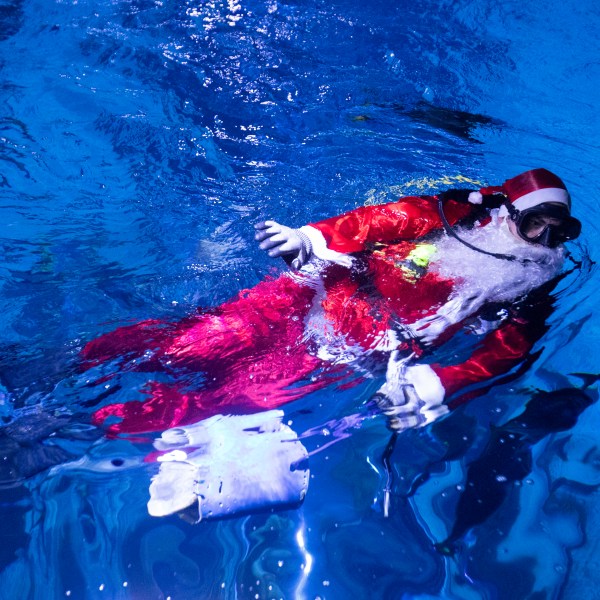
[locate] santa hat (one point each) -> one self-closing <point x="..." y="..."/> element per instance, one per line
<point x="528" y="190"/>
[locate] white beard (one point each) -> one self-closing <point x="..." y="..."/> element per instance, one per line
<point x="481" y="278"/>
<point x="499" y="279"/>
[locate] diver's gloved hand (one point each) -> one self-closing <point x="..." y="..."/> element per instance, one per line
<point x="227" y="465"/>
<point x="412" y="396"/>
<point x="279" y="240"/>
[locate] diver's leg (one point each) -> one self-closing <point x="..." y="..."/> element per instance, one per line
<point x="258" y="383"/>
<point x="127" y="342"/>
<point x="256" y="321"/>
<point x="166" y="406"/>
<point x="248" y="323"/>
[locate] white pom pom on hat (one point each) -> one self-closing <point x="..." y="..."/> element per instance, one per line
<point x="475" y="198"/>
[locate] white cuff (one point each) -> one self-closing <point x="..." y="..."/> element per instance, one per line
<point x="412" y="396"/>
<point x="427" y="384"/>
<point x="320" y="249"/>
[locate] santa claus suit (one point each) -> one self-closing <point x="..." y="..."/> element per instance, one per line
<point x="376" y="283"/>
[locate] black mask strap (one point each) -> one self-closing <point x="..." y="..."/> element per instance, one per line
<point x="513" y="212"/>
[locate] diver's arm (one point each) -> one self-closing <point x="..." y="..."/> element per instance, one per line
<point x="335" y="238"/>
<point x="410" y="218"/>
<point x="503" y="348"/>
<point x="500" y="351"/>
<point x="415" y="395"/>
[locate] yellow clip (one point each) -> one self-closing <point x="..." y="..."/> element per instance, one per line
<point x="421" y="254"/>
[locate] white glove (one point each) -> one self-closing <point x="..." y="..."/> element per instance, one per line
<point x="229" y="464"/>
<point x="411" y="396"/>
<point x="279" y="240"/>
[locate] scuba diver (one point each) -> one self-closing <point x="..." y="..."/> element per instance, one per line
<point x="378" y="291"/>
<point x="430" y="288"/>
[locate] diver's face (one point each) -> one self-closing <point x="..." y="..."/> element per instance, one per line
<point x="537" y="224"/>
<point x="548" y="224"/>
<point x="535" y="227"/>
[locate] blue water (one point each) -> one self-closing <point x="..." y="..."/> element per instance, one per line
<point x="140" y="142"/>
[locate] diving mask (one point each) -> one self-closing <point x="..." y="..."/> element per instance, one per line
<point x="547" y="224"/>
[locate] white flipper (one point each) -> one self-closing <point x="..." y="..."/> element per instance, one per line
<point x="228" y="465"/>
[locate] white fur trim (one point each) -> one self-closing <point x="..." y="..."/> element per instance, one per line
<point x="320" y="249"/>
<point x="475" y="198"/>
<point x="403" y="408"/>
<point x="536" y="197"/>
<point x="540" y="196"/>
<point x="427" y="384"/>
